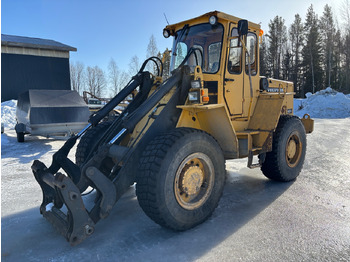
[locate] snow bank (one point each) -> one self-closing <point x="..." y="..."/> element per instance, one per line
<point x="8" y="113"/>
<point x="326" y="103"/>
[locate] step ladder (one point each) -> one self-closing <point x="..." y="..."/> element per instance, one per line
<point x="249" y="135"/>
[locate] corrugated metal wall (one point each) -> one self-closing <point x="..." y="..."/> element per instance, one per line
<point x="20" y="73"/>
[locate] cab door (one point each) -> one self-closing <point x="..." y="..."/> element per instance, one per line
<point x="251" y="60"/>
<point x="233" y="77"/>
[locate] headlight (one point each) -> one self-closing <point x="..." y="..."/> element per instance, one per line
<point x="196" y="84"/>
<point x="193" y="96"/>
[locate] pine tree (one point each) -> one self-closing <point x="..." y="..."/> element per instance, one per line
<point x="263" y="58"/>
<point x="166" y="63"/>
<point x="345" y="13"/>
<point x="277" y="35"/>
<point x="287" y="65"/>
<point x="328" y="32"/>
<point x="346" y="70"/>
<point x="312" y="59"/>
<point x="337" y="61"/>
<point x="296" y="38"/>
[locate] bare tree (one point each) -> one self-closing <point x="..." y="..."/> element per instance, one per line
<point x="96" y="81"/>
<point x="152" y="50"/>
<point x="134" y="65"/>
<point x="117" y="78"/>
<point x="114" y="75"/>
<point x="77" y="76"/>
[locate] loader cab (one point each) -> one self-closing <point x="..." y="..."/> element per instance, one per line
<point x="215" y="42"/>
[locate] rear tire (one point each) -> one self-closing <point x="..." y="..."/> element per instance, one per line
<point x="181" y="178"/>
<point x="20" y="137"/>
<point x="286" y="159"/>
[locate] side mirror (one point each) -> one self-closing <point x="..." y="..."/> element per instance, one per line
<point x="242" y="27"/>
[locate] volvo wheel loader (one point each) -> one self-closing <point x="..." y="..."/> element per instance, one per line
<point x="172" y="140"/>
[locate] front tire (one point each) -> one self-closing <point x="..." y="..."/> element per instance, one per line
<point x="87" y="147"/>
<point x="286" y="159"/>
<point x="181" y="179"/>
<point x="88" y="141"/>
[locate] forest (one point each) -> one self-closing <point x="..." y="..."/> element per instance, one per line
<point x="313" y="52"/>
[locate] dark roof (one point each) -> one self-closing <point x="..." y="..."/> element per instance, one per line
<point x="21" y="41"/>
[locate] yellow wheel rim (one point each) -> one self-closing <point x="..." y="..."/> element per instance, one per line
<point x="293" y="150"/>
<point x="194" y="181"/>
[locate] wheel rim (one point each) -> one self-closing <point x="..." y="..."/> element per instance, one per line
<point x="293" y="150"/>
<point x="194" y="181"/>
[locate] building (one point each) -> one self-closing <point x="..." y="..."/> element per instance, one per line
<point x="33" y="63"/>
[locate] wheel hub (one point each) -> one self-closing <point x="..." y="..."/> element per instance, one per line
<point x="292" y="148"/>
<point x="192" y="180"/>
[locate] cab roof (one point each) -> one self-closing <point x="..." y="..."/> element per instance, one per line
<point x="218" y="14"/>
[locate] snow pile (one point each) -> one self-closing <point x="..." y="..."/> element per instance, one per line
<point x="4" y="140"/>
<point x="8" y="113"/>
<point x="326" y="103"/>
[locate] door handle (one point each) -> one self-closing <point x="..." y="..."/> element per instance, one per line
<point x="229" y="79"/>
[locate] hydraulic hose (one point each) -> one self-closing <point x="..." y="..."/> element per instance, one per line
<point x="95" y="118"/>
<point x="130" y="122"/>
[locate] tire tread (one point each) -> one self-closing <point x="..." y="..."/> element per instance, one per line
<point x="272" y="168"/>
<point x="150" y="164"/>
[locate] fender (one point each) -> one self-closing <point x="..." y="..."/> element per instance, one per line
<point x="208" y="118"/>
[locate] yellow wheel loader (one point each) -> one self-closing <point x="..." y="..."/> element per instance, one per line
<point x="172" y="140"/>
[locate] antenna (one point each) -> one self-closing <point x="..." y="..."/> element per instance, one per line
<point x="166" y="19"/>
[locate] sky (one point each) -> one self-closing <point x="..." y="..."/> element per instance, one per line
<point x="120" y="29"/>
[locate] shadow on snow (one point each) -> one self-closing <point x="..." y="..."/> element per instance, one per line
<point x="129" y="234"/>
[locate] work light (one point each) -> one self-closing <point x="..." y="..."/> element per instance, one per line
<point x="213" y="20"/>
<point x="193" y="96"/>
<point x="195" y="84"/>
<point x="166" y="33"/>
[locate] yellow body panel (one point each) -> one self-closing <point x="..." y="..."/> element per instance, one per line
<point x="214" y="120"/>
<point x="267" y="112"/>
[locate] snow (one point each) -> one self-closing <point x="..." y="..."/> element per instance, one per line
<point x="8" y="113"/>
<point x="256" y="220"/>
<point x="326" y="103"/>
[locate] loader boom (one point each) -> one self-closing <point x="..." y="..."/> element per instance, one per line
<point x="59" y="189"/>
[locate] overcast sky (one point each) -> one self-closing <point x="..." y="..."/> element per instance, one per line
<point x="121" y="29"/>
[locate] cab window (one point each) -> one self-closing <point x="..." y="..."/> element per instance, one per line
<point x="214" y="51"/>
<point x="235" y="55"/>
<point x="252" y="51"/>
<point x="181" y="51"/>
